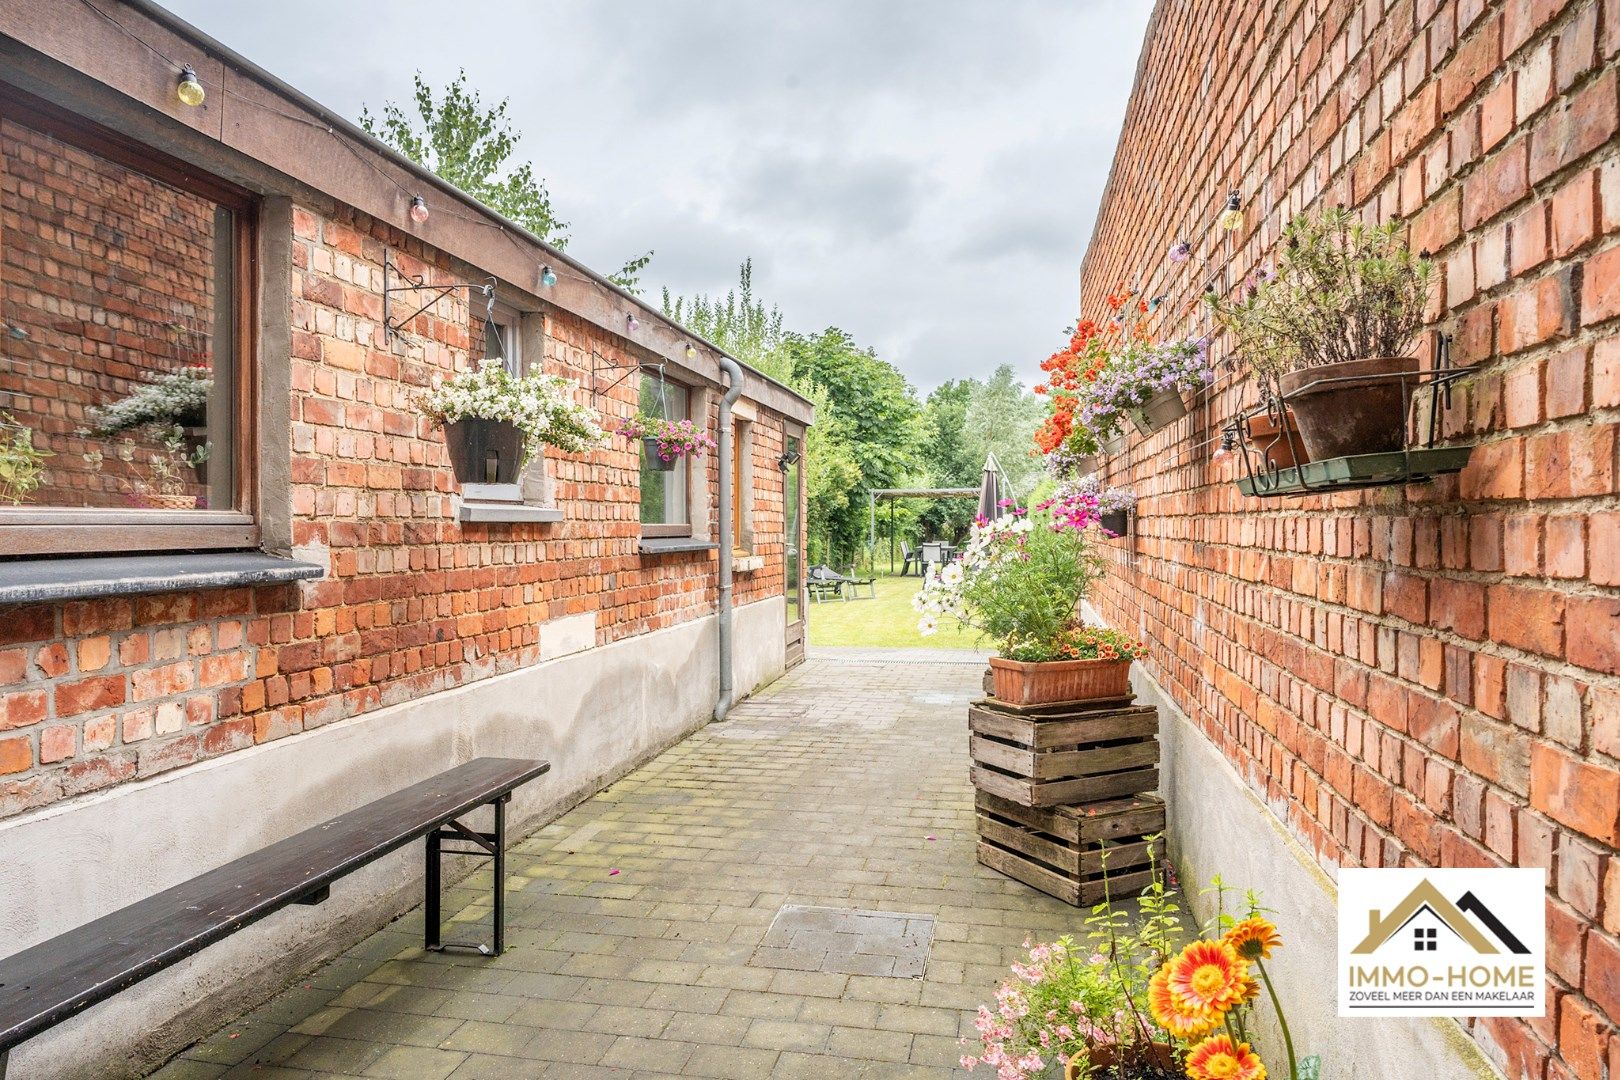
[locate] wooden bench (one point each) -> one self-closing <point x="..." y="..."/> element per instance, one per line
<point x="55" y="979"/>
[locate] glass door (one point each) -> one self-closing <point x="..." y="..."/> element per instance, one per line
<point x="792" y="585"/>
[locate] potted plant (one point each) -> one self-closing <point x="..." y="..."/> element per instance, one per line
<point x="1114" y="505"/>
<point x="1145" y="382"/>
<point x="494" y="420"/>
<point x="171" y="407"/>
<point x="665" y="442"/>
<point x="1077" y="456"/>
<point x="22" y="464"/>
<point x="1330" y="331"/>
<point x="1020" y="581"/>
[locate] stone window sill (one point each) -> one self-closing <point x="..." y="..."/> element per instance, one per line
<point x="31" y="581"/>
<point x="667" y="545"/>
<point x="480" y="511"/>
<point x="747" y="564"/>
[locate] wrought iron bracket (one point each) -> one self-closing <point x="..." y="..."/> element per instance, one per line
<point x="600" y="365"/>
<point x="416" y="284"/>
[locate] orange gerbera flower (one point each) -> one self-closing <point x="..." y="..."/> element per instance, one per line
<point x="1217" y="1058"/>
<point x="1208" y="977"/>
<point x="1176" y="1020"/>
<point x="1254" y="938"/>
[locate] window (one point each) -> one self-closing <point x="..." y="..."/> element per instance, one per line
<point x="665" y="510"/>
<point x="1425" y="939"/>
<point x="124" y="390"/>
<point x="508" y="339"/>
<point x="742" y="488"/>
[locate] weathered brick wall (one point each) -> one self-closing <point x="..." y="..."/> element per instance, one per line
<point x="94" y="693"/>
<point x="1430" y="674"/>
<point x="109" y="274"/>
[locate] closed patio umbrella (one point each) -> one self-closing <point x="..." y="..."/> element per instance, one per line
<point x="990" y="489"/>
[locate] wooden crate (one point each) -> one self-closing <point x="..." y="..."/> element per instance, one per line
<point x="1064" y="758"/>
<point x="1060" y="851"/>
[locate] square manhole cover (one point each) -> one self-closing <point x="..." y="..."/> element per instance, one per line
<point x="847" y="941"/>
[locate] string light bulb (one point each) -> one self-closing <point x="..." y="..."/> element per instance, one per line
<point x="1180" y="251"/>
<point x="548" y="277"/>
<point x="1232" y="216"/>
<point x="632" y="322"/>
<point x="190" y="89"/>
<point x="419" y="209"/>
<point x="691" y="351"/>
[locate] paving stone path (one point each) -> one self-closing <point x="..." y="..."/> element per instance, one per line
<point x="796" y="896"/>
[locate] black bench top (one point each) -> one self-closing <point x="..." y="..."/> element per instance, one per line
<point x="50" y="981"/>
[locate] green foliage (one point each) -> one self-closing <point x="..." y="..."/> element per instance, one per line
<point x="22" y="465"/>
<point x="951" y="461"/>
<point x="1342" y="290"/>
<point x="1001" y="419"/>
<point x="1135" y="944"/>
<point x="470" y="144"/>
<point x="739" y="323"/>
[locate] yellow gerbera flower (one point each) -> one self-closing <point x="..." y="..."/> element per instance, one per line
<point x="1175" y="1020"/>
<point x="1254" y="938"/>
<point x="1208" y="978"/>
<point x="1216" y="1058"/>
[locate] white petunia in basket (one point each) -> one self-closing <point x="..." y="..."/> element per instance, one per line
<point x="541" y="406"/>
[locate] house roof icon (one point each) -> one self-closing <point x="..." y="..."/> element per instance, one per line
<point x="1428" y="898"/>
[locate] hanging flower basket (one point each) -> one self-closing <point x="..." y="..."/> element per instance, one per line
<point x="652" y="456"/>
<point x="1117" y="522"/>
<point x="484" y="451"/>
<point x="1161" y="410"/>
<point x="1115" y="444"/>
<point x="665" y="442"/>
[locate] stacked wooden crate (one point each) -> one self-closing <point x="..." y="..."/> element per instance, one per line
<point x="1065" y="795"/>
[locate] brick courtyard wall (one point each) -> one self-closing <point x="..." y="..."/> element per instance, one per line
<point x="94" y="693"/>
<point x="1424" y="675"/>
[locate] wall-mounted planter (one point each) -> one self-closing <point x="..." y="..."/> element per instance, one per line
<point x="484" y="451"/>
<point x="1352" y="408"/>
<point x="1278" y="445"/>
<point x="1358" y="471"/>
<point x="1087" y="464"/>
<point x="1117" y="522"/>
<point x="1162" y="410"/>
<point x="1116" y="444"/>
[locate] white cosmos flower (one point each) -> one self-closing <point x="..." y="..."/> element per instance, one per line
<point x="951" y="575"/>
<point x="927" y="625"/>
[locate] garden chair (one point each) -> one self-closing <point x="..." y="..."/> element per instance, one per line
<point x="853" y="583"/>
<point x="909" y="554"/>
<point x="823" y="581"/>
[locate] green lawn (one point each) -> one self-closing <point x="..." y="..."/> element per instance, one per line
<point x="888" y="621"/>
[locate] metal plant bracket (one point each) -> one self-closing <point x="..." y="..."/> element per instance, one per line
<point x="600" y="365"/>
<point x="1417" y="461"/>
<point x="416" y="285"/>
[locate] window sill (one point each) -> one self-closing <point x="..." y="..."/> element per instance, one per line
<point x="32" y="581"/>
<point x="667" y="545"/>
<point x="506" y="511"/>
<point x="747" y="564"/>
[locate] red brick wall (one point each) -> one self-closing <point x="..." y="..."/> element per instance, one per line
<point x="94" y="693"/>
<point x="1430" y="674"/>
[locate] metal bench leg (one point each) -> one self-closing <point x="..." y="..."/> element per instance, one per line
<point x="3" y="1055"/>
<point x="491" y="845"/>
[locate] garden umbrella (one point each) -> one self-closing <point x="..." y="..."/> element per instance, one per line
<point x="990" y="489"/>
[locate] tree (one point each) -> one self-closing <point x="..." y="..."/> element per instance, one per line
<point x="952" y="462"/>
<point x="470" y="145"/>
<point x="1001" y="418"/>
<point x="740" y="323"/>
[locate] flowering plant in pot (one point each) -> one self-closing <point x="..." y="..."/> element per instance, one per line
<point x="1019" y="582"/>
<point x="1075" y="457"/>
<point x="1114" y="505"/>
<point x="1331" y="327"/>
<point x="666" y="441"/>
<point x="493" y="420"/>
<point x="1145" y="382"/>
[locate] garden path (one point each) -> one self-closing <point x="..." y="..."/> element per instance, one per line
<point x="796" y="896"/>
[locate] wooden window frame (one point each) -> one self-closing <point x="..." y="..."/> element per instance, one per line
<point x="670" y="530"/>
<point x="44" y="531"/>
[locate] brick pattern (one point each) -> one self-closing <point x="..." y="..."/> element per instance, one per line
<point x="92" y="694"/>
<point x="1428" y="675"/>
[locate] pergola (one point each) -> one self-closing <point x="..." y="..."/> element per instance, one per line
<point x="891" y="494"/>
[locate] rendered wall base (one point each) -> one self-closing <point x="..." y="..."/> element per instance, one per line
<point x="1218" y="826"/>
<point x="594" y="714"/>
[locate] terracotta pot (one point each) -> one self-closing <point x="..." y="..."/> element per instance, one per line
<point x="1115" y="445"/>
<point x="1279" y="446"/>
<point x="1162" y="410"/>
<point x="1363" y="411"/>
<point x="649" y="455"/>
<point x="1018" y="683"/>
<point x="1103" y="1057"/>
<point x="484" y="451"/>
<point x="1117" y="522"/>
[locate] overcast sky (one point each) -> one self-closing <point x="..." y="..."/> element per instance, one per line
<point x="922" y="173"/>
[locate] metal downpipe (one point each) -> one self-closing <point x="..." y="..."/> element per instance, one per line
<point x="728" y="448"/>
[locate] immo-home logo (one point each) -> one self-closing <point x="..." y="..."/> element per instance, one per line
<point x="1442" y="942"/>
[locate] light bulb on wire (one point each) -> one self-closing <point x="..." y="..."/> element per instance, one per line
<point x="632" y="322"/>
<point x="691" y="351"/>
<point x="1232" y="216"/>
<point x="190" y="89"/>
<point x="419" y="209"/>
<point x="548" y="277"/>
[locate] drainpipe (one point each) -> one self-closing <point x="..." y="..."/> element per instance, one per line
<point x="734" y="377"/>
